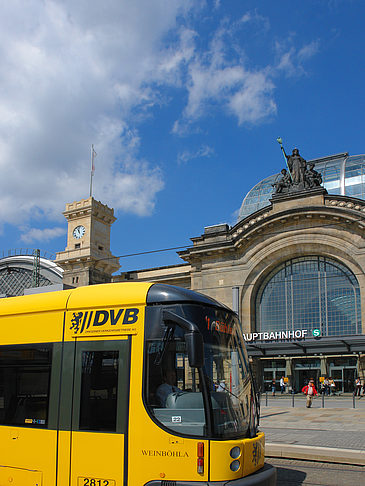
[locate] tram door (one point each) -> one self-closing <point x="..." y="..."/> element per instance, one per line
<point x="99" y="412"/>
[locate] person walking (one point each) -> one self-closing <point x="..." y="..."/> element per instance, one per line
<point x="273" y="387"/>
<point x="357" y="388"/>
<point x="282" y="385"/>
<point x="310" y="391"/>
<point x="332" y="387"/>
<point x="326" y="386"/>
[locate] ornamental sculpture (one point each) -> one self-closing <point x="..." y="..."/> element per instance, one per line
<point x="299" y="175"/>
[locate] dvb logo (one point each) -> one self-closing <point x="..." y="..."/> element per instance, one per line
<point x="81" y="321"/>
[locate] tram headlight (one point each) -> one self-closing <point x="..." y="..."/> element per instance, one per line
<point x="235" y="452"/>
<point x="235" y="465"/>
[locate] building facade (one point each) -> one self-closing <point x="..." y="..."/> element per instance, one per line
<point x="293" y="268"/>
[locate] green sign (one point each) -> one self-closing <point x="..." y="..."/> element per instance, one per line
<point x="316" y="332"/>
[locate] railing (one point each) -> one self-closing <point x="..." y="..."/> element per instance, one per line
<point x="286" y="399"/>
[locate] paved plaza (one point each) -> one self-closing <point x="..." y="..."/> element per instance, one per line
<point x="336" y="432"/>
<point x="292" y="472"/>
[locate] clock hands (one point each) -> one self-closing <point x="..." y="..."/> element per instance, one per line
<point x="79" y="232"/>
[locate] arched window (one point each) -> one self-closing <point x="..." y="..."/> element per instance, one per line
<point x="310" y="293"/>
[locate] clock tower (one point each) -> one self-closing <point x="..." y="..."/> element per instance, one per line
<point x="87" y="258"/>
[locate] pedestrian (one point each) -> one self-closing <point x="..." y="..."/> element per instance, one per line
<point x="357" y="388"/>
<point x="310" y="391"/>
<point x="282" y="385"/>
<point x="332" y="385"/>
<point x="273" y="387"/>
<point x="326" y="385"/>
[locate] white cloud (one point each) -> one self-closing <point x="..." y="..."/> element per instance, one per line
<point x="203" y="151"/>
<point x="223" y="77"/>
<point x="33" y="234"/>
<point x="253" y="17"/>
<point x="72" y="72"/>
<point x="216" y="82"/>
<point x="308" y="51"/>
<point x="291" y="59"/>
<point x="253" y="101"/>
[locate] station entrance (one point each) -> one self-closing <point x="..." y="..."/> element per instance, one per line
<point x="305" y="370"/>
<point x="273" y="370"/>
<point x="344" y="372"/>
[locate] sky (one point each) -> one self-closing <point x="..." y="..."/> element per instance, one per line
<point x="183" y="101"/>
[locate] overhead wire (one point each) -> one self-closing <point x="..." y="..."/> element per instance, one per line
<point x="275" y="233"/>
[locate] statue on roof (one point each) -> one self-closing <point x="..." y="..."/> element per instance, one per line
<point x="312" y="177"/>
<point x="281" y="186"/>
<point x="297" y="166"/>
<point x="299" y="176"/>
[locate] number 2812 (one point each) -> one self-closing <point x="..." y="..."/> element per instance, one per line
<point x="96" y="482"/>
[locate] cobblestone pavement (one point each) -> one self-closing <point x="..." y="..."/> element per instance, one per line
<point x="336" y="427"/>
<point x="295" y="473"/>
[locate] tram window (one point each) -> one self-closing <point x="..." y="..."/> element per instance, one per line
<point x="99" y="382"/>
<point x="24" y="385"/>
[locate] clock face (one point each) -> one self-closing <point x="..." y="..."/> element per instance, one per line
<point x="79" y="232"/>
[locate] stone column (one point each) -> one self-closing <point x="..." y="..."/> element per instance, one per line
<point x="324" y="371"/>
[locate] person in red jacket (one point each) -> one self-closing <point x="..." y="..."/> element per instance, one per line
<point x="310" y="391"/>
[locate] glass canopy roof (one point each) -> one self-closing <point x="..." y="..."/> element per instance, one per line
<point x="342" y="174"/>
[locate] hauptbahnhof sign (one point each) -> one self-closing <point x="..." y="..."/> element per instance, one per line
<point x="281" y="335"/>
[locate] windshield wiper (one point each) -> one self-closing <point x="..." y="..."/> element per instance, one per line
<point x="169" y="333"/>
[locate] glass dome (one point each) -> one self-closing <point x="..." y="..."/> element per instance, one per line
<point x="342" y="174"/>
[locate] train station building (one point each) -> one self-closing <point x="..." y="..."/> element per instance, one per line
<point x="293" y="267"/>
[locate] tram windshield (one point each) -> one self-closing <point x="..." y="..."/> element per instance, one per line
<point x="214" y="400"/>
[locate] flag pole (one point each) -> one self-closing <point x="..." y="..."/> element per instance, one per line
<point x="93" y="153"/>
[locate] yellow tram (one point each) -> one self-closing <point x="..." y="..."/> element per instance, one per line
<point x="126" y="384"/>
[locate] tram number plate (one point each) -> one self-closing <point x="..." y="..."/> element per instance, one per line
<point x="95" y="482"/>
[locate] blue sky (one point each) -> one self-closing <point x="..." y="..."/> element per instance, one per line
<point x="183" y="101"/>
